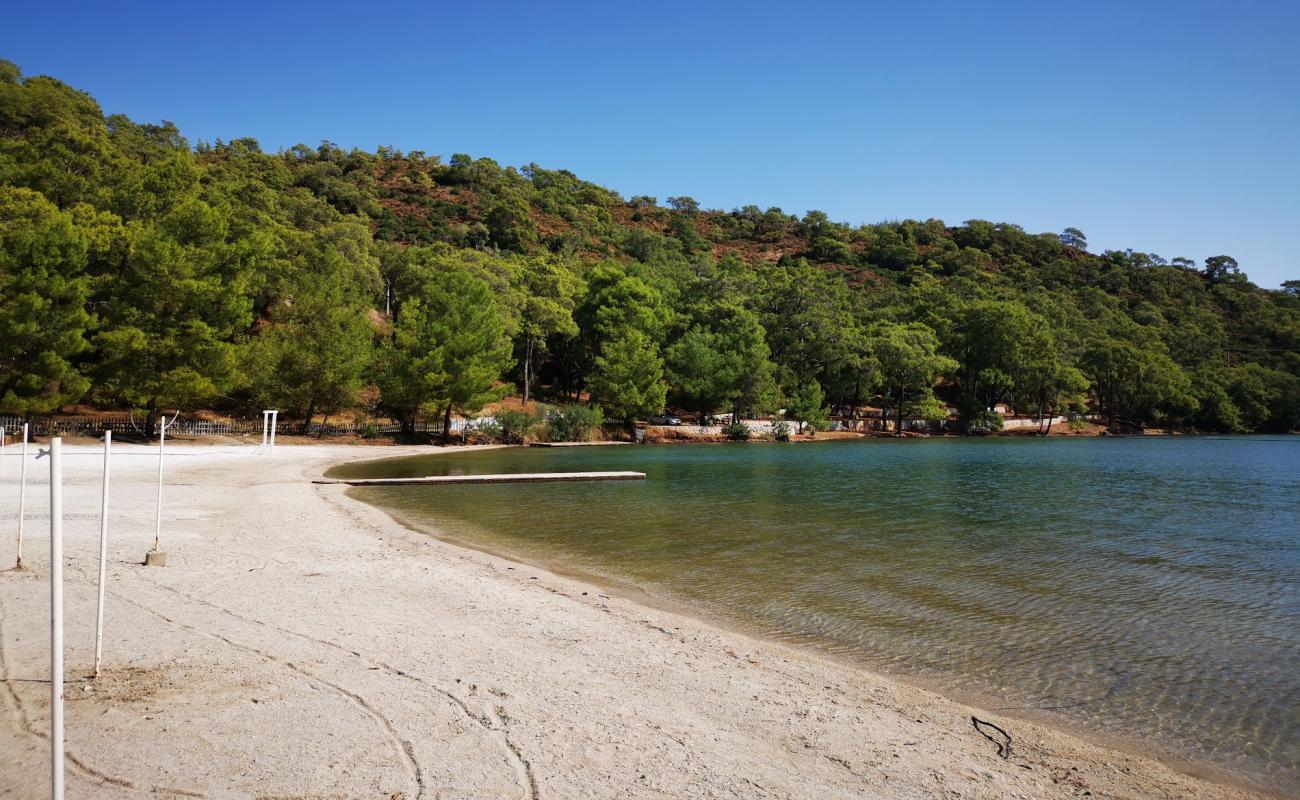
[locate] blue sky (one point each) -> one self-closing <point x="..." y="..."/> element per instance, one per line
<point x="1170" y="127"/>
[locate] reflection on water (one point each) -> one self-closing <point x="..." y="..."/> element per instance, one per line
<point x="1142" y="586"/>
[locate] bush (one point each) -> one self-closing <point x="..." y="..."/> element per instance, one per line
<point x="983" y="422"/>
<point x="780" y="430"/>
<point x="370" y="429"/>
<point x="513" y="426"/>
<point x="573" y="423"/>
<point x="1077" y="424"/>
<point x="736" y="432"/>
<point x="483" y="432"/>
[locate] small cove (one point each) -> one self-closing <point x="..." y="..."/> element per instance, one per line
<point x="1145" y="588"/>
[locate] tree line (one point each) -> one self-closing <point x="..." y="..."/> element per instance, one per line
<point x="138" y="271"/>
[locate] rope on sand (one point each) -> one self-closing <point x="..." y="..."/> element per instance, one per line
<point x="1004" y="748"/>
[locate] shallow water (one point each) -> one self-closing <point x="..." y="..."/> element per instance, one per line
<point x="1140" y="586"/>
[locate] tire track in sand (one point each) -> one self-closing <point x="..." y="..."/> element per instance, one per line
<point x="401" y="745"/>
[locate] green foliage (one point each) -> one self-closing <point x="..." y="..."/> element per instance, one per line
<point x="780" y="430"/>
<point x="628" y="378"/>
<point x="514" y="425"/>
<point x="910" y="366"/>
<point x="807" y="407"/>
<point x="137" y="271"/>
<point x="573" y="423"/>
<point x="722" y="360"/>
<point x="447" y="352"/>
<point x="43" y="297"/>
<point x="736" y="431"/>
<point x="550" y="292"/>
<point x="983" y="422"/>
<point x="173" y="310"/>
<point x="314" y="351"/>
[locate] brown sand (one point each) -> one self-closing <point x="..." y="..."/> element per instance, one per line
<point x="303" y="644"/>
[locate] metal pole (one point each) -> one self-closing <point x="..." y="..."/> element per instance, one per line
<point x="22" y="497"/>
<point x="4" y="457"/>
<point x="56" y="619"/>
<point x="162" y="439"/>
<point x="266" y="419"/>
<point x="103" y="556"/>
<point x="275" y="421"/>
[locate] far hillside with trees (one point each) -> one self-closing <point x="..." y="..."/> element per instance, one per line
<point x="140" y="271"/>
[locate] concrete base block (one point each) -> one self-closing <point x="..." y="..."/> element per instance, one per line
<point x="155" y="558"/>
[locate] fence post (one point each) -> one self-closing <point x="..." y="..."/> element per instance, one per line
<point x="56" y="619"/>
<point x="103" y="555"/>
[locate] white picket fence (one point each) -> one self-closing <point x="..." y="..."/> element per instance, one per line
<point x="125" y="423"/>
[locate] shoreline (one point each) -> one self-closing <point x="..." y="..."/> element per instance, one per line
<point x="423" y="666"/>
<point x="988" y="704"/>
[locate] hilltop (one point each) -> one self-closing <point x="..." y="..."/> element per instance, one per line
<point x="140" y="271"/>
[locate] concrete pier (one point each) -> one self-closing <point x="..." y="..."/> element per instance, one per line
<point x="517" y="477"/>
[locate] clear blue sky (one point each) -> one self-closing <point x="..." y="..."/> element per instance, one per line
<point x="1170" y="127"/>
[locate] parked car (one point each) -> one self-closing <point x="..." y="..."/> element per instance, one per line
<point x="666" y="420"/>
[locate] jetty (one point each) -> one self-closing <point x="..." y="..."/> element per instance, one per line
<point x="515" y="477"/>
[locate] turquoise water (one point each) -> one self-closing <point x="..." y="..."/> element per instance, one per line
<point x="1147" y="587"/>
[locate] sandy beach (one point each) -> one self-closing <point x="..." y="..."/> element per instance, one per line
<point x="302" y="644"/>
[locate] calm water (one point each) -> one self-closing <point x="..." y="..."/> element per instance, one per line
<point x="1147" y="587"/>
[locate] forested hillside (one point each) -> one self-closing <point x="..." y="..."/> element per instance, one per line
<point x="140" y="271"/>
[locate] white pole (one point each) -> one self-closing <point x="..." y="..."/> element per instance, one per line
<point x="56" y="619"/>
<point x="103" y="556"/>
<point x="22" y="497"/>
<point x="275" y="421"/>
<point x="266" y="420"/>
<point x="3" y="455"/>
<point x="162" y="439"/>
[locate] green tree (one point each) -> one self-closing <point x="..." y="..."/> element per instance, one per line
<point x="44" y="291"/>
<point x="811" y="328"/>
<point x="1136" y="382"/>
<point x="313" y="356"/>
<point x="721" y="360"/>
<point x="807" y="407"/>
<point x="910" y="366"/>
<point x="510" y="226"/>
<point x="447" y="353"/>
<point x="1073" y="237"/>
<point x="1221" y="268"/>
<point x="628" y="378"/>
<point x="684" y="203"/>
<point x="550" y="291"/>
<point x="614" y="303"/>
<point x="172" y="312"/>
<point x="1004" y="351"/>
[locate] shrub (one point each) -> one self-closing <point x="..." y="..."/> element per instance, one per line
<point x="1077" y="424"/>
<point x="780" y="430"/>
<point x="736" y="432"/>
<point x="983" y="422"/>
<point x="370" y="429"/>
<point x="513" y="426"/>
<point x="573" y="423"/>
<point x="483" y="432"/>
